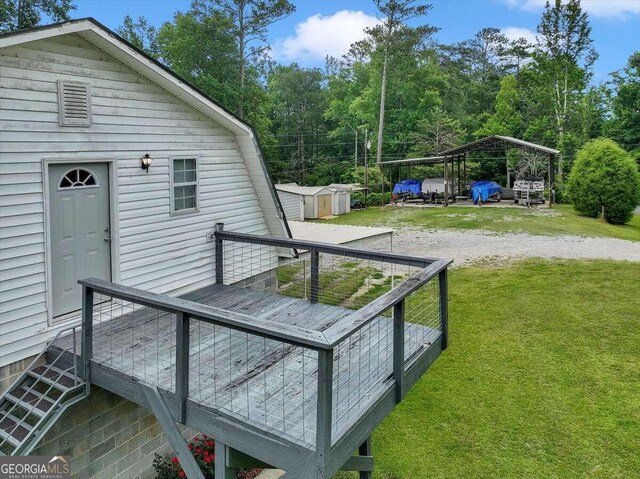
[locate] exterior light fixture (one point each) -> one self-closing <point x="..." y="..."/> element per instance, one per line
<point x="145" y="162"/>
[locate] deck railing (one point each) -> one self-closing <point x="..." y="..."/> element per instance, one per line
<point x="375" y="315"/>
<point x="399" y="303"/>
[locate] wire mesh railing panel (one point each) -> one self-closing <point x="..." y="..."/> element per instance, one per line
<point x="362" y="365"/>
<point x="266" y="383"/>
<point x="249" y="265"/>
<point x="337" y="280"/>
<point x="135" y="340"/>
<point x="422" y="318"/>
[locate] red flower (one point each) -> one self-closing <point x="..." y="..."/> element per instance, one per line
<point x="190" y="447"/>
<point x="213" y="457"/>
<point x="207" y="459"/>
<point x="204" y="436"/>
<point x="181" y="474"/>
<point x="175" y="460"/>
<point x="206" y="453"/>
<point x="209" y="443"/>
<point x="198" y="450"/>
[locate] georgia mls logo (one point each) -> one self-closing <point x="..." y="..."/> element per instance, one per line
<point x="34" y="467"/>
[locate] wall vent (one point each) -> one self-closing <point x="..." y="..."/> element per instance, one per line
<point x="74" y="103"/>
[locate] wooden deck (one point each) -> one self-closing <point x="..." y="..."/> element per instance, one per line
<point x="262" y="382"/>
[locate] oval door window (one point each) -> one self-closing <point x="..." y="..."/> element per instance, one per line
<point x="78" y="178"/>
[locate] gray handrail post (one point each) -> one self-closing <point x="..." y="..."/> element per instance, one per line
<point x="444" y="307"/>
<point x="315" y="275"/>
<point x="398" y="349"/>
<point x="325" y="411"/>
<point x="219" y="228"/>
<point x="182" y="365"/>
<point x="86" y="348"/>
<point x="365" y="450"/>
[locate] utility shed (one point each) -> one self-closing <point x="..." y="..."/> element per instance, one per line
<point x="80" y="108"/>
<point x="318" y="200"/>
<point x="342" y="196"/>
<point x="292" y="204"/>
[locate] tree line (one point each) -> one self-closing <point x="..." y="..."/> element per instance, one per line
<point x="398" y="93"/>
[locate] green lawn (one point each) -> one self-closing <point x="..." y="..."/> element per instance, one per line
<point x="557" y="221"/>
<point x="541" y="379"/>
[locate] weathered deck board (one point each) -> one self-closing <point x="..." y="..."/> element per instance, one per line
<point x="266" y="383"/>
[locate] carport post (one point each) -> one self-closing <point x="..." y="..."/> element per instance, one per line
<point x="446" y="182"/>
<point x="552" y="180"/>
<point x="466" y="180"/>
<point x="459" y="182"/>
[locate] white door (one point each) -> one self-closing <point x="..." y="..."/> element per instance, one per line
<point x="80" y="230"/>
<point x="342" y="203"/>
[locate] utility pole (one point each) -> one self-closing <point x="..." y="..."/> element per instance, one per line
<point x="367" y="145"/>
<point x="19" y="14"/>
<point x="355" y="156"/>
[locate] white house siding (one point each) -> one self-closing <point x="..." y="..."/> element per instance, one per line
<point x="131" y="117"/>
<point x="293" y="205"/>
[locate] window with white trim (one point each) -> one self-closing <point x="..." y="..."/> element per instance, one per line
<point x="184" y="187"/>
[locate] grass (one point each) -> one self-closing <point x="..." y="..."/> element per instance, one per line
<point x="541" y="379"/>
<point x="335" y="287"/>
<point x="561" y="220"/>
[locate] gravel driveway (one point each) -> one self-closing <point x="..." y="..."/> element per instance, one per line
<point x="471" y="246"/>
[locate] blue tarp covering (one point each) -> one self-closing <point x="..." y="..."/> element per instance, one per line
<point x="408" y="186"/>
<point x="484" y="189"/>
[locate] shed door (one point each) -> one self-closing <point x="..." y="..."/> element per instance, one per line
<point x="342" y="203"/>
<point x="324" y="205"/>
<point x="80" y="230"/>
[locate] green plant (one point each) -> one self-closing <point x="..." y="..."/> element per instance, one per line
<point x="203" y="450"/>
<point x="604" y="182"/>
<point x="375" y="199"/>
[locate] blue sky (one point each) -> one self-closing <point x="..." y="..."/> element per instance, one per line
<point x="321" y="27"/>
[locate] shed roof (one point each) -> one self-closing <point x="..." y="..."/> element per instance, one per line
<point x="488" y="143"/>
<point x="493" y="141"/>
<point x="346" y="187"/>
<point x="302" y="190"/>
<point x="431" y="160"/>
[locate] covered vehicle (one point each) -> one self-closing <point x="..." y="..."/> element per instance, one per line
<point x="483" y="190"/>
<point x="408" y="187"/>
<point x="356" y="204"/>
<point x="437" y="186"/>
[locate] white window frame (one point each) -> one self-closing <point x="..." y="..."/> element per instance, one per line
<point x="172" y="185"/>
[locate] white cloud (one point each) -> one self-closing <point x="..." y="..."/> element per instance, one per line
<point x="515" y="33"/>
<point x="320" y="35"/>
<point x="597" y="8"/>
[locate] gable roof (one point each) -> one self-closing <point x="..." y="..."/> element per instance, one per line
<point x="494" y="141"/>
<point x="104" y="39"/>
<point x="489" y="143"/>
